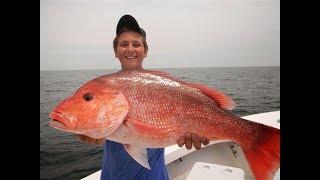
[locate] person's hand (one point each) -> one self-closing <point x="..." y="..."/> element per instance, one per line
<point x="188" y="139"/>
<point x="90" y="140"/>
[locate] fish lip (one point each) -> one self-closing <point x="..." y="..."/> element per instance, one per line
<point x="57" y="124"/>
<point x="60" y="120"/>
<point x="57" y="120"/>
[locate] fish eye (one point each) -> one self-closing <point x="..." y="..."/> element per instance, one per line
<point x="87" y="96"/>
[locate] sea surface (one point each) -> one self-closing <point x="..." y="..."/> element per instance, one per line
<point x="64" y="156"/>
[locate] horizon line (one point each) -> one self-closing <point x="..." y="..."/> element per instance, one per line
<point x="161" y="68"/>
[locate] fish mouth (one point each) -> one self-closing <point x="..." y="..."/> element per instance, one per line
<point x="57" y="124"/>
<point x="61" y="121"/>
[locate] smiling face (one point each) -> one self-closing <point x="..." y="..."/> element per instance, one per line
<point x="130" y="50"/>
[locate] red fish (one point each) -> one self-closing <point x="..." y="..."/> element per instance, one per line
<point x="150" y="109"/>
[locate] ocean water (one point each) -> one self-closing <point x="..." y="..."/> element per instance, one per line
<point x="64" y="156"/>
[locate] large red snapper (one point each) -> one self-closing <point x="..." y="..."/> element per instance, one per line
<point x="150" y="109"/>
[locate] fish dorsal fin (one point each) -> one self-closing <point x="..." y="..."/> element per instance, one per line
<point x="223" y="100"/>
<point x="139" y="154"/>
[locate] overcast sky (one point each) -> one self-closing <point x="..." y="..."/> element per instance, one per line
<point x="78" y="34"/>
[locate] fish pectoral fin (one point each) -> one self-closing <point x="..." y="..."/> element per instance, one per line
<point x="114" y="112"/>
<point x="139" y="154"/>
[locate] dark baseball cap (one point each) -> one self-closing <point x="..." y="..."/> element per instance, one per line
<point x="129" y="22"/>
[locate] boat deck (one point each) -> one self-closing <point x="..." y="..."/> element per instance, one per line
<point x="220" y="153"/>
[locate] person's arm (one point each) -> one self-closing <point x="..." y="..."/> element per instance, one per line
<point x="188" y="139"/>
<point x="90" y="140"/>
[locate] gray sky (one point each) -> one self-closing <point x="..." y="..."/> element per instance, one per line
<point x="78" y="34"/>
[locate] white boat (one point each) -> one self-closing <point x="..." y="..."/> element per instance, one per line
<point x="218" y="160"/>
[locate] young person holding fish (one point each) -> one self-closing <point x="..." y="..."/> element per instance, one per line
<point x="146" y="108"/>
<point x="131" y="48"/>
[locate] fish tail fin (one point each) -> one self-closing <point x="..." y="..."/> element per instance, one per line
<point x="264" y="157"/>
